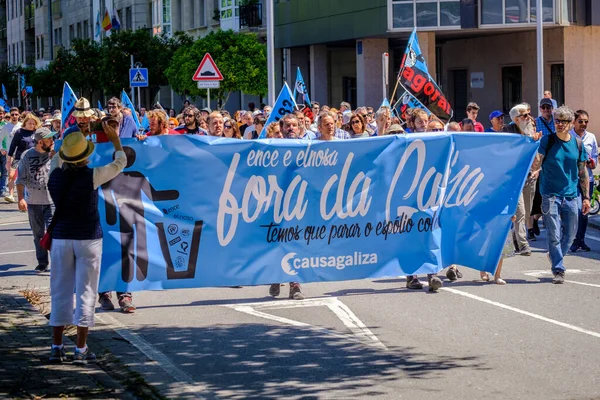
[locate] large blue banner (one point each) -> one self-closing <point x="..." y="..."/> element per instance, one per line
<point x="193" y="211"/>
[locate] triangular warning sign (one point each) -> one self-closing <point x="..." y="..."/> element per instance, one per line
<point x="207" y="70"/>
<point x="138" y="77"/>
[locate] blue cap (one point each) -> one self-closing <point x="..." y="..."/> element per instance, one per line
<point x="496" y="114"/>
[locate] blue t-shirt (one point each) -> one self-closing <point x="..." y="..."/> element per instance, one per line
<point x="560" y="173"/>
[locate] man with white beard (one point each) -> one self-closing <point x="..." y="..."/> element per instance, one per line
<point x="523" y="125"/>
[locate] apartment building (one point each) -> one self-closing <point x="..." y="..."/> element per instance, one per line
<point x="478" y="50"/>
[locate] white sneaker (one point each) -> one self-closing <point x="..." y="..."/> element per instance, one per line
<point x="9" y="199"/>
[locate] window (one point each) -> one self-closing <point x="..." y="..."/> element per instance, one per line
<point x="86" y="29"/>
<point x="500" y="12"/>
<point x="128" y="18"/>
<point x="557" y="83"/>
<point x="200" y="16"/>
<point x="511" y="87"/>
<point x="71" y="33"/>
<point x="161" y="17"/>
<point x="79" y="32"/>
<point x="426" y="13"/>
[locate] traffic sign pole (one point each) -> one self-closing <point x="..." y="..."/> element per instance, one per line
<point x="132" y="90"/>
<point x="208" y="91"/>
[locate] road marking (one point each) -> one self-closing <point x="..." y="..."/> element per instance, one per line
<point x="359" y="330"/>
<point x="544" y="272"/>
<point x="588" y="236"/>
<point x="17" y="252"/>
<point x="527" y="313"/>
<point x="189" y="388"/>
<point x="13" y="223"/>
<point x="584" y="284"/>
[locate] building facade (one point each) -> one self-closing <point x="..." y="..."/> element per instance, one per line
<point x="477" y="50"/>
<point x="32" y="31"/>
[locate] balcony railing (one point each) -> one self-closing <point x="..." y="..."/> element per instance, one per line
<point x="250" y="15"/>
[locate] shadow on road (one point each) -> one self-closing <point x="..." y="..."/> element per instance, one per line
<point x="264" y="361"/>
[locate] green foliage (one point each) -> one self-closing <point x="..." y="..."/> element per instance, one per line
<point x="241" y="58"/>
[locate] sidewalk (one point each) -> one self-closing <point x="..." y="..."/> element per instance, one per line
<point x="25" y="339"/>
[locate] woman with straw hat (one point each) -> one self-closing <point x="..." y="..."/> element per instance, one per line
<point x="77" y="239"/>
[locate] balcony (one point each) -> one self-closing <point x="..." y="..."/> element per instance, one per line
<point x="251" y="16"/>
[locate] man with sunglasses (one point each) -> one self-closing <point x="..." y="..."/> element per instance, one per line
<point x="191" y="122"/>
<point x="6" y="135"/>
<point x="562" y="160"/>
<point x="545" y="122"/>
<point x="591" y="148"/>
<point x="34" y="170"/>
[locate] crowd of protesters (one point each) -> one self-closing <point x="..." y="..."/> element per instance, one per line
<point x="558" y="186"/>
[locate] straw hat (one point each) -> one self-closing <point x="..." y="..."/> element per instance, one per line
<point x="82" y="108"/>
<point x="75" y="148"/>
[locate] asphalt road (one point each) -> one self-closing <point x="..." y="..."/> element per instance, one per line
<point x="360" y="339"/>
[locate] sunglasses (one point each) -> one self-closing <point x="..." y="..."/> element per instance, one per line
<point x="355" y="122"/>
<point x="527" y="115"/>
<point x="188" y="115"/>
<point x="227" y="126"/>
<point x="562" y="121"/>
<point x="583" y="121"/>
<point x="546" y="108"/>
<point x="14" y="115"/>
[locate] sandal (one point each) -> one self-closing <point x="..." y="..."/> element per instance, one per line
<point x="499" y="281"/>
<point x="484" y="276"/>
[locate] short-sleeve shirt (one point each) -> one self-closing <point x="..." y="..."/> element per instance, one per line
<point x="560" y="172"/>
<point x="547" y="128"/>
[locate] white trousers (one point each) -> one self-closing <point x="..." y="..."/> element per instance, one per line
<point x="75" y="269"/>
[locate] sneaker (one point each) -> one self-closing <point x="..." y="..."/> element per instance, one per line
<point x="275" y="290"/>
<point x="584" y="247"/>
<point x="412" y="282"/>
<point x="83" y="358"/>
<point x="536" y="227"/>
<point x="105" y="302"/>
<point x="574" y="247"/>
<point x="126" y="304"/>
<point x="9" y="199"/>
<point x="499" y="281"/>
<point x="58" y="355"/>
<point x="41" y="268"/>
<point x="434" y="283"/>
<point x="559" y="277"/>
<point x="531" y="235"/>
<point x="459" y="274"/>
<point x="525" y="252"/>
<point x="451" y="274"/>
<point x="295" y="291"/>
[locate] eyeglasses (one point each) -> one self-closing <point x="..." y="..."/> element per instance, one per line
<point x="527" y="115"/>
<point x="546" y="108"/>
<point x="583" y="121"/>
<point x="355" y="122"/>
<point x="562" y="121"/>
<point x="188" y="115"/>
<point x="227" y="126"/>
<point x="363" y="115"/>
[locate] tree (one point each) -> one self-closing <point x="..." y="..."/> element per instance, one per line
<point x="241" y="58"/>
<point x="153" y="52"/>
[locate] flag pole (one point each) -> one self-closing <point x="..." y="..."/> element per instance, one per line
<point x="395" y="88"/>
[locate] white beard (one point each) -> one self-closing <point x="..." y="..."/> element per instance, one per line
<point x="527" y="128"/>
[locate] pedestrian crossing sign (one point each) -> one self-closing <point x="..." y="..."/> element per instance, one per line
<point x="138" y="77"/>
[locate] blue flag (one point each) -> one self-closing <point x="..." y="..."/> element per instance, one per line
<point x="127" y="103"/>
<point x="300" y="88"/>
<point x="68" y="106"/>
<point x="115" y="21"/>
<point x="415" y="79"/>
<point x="385" y="103"/>
<point x="145" y="123"/>
<point x="4" y="105"/>
<point x="4" y="96"/>
<point x="284" y="105"/>
<point x="100" y="106"/>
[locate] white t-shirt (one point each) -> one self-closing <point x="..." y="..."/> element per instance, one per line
<point x="7" y="133"/>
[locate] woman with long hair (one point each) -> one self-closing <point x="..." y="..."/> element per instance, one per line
<point x="231" y="129"/>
